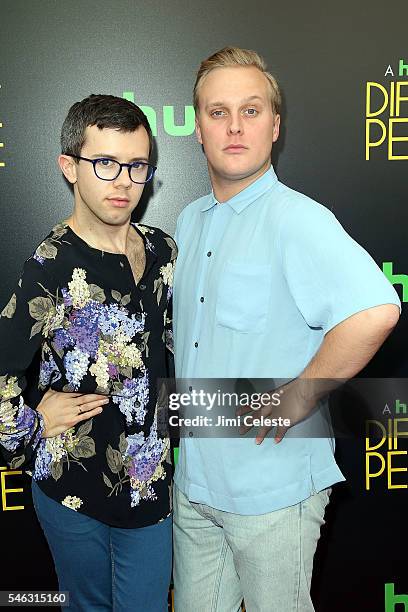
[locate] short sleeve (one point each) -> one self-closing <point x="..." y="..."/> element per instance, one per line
<point x="22" y="322"/>
<point x="329" y="275"/>
<point x="168" y="323"/>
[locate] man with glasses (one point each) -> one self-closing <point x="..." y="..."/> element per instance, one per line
<point x="94" y="299"/>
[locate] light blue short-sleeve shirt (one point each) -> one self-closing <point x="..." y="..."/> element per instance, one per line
<point x="260" y="279"/>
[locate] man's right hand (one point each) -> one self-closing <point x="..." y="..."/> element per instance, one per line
<point x="61" y="411"/>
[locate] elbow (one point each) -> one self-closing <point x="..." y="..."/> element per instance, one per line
<point x="392" y="317"/>
<point x="384" y="317"/>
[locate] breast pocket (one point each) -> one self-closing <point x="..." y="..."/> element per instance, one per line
<point x="243" y="297"/>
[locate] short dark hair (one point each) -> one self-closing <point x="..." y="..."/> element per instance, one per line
<point x="104" y="111"/>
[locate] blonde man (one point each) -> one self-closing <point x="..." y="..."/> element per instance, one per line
<point x="260" y="292"/>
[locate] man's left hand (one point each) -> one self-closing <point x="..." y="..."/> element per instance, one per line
<point x="297" y="402"/>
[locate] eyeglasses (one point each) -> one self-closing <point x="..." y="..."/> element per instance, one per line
<point x="108" y="169"/>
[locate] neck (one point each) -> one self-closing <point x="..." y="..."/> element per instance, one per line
<point x="100" y="235"/>
<point x="225" y="188"/>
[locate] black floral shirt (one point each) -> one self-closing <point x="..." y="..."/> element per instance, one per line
<point x="98" y="332"/>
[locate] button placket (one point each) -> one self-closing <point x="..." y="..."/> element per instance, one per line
<point x="212" y="231"/>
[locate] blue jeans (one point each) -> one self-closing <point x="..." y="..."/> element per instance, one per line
<point x="103" y="567"/>
<point x="220" y="557"/>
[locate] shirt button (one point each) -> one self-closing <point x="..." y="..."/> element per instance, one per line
<point x="196" y="344"/>
<point x="142" y="287"/>
<point x="201" y="299"/>
<point x="209" y="254"/>
<point x="190" y="433"/>
<point x="190" y="388"/>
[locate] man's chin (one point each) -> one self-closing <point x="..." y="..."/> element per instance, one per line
<point x="117" y="219"/>
<point x="240" y="173"/>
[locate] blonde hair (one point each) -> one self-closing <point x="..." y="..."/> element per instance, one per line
<point x="235" y="56"/>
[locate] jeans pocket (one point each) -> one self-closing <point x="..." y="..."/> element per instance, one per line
<point x="315" y="505"/>
<point x="243" y="297"/>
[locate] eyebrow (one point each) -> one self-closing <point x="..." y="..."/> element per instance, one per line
<point x="244" y="101"/>
<point x="108" y="156"/>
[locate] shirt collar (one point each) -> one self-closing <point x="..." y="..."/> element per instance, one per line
<point x="248" y="195"/>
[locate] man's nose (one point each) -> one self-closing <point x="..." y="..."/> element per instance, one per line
<point x="235" y="125"/>
<point x="123" y="178"/>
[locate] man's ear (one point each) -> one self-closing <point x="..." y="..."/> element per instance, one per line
<point x="198" y="130"/>
<point x="68" y="168"/>
<point x="276" y="125"/>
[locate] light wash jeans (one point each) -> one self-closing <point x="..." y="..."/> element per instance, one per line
<point x="220" y="557"/>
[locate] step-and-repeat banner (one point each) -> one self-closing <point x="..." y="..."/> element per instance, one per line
<point x="343" y="69"/>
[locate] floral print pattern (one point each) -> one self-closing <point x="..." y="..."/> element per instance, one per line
<point x="73" y="502"/>
<point x="97" y="331"/>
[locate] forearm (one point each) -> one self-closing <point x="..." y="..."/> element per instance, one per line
<point x="345" y="350"/>
<point x="21" y="322"/>
<point x="348" y="347"/>
<point x="20" y="431"/>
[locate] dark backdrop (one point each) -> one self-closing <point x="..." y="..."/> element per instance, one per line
<point x="54" y="53"/>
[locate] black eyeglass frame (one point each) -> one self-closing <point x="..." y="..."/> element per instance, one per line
<point x="121" y="165"/>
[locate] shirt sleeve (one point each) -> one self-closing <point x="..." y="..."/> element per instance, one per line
<point x="329" y="275"/>
<point x="168" y="323"/>
<point x="28" y="314"/>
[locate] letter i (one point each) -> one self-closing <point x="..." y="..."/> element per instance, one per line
<point x="391" y="439"/>
<point x="392" y="99"/>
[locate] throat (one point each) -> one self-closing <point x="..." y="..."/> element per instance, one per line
<point x="136" y="255"/>
<point x="103" y="238"/>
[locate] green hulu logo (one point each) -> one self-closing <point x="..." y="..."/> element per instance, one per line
<point x="396" y="279"/>
<point x="392" y="599"/>
<point x="169" y="125"/>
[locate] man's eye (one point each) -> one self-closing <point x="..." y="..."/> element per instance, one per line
<point x="217" y="113"/>
<point x="106" y="163"/>
<point x="252" y="112"/>
<point x="139" y="167"/>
